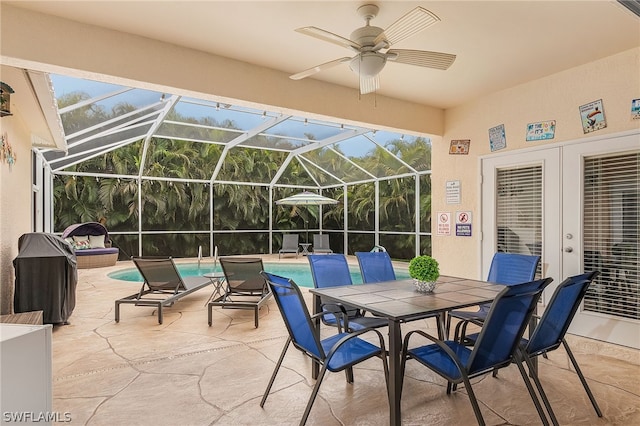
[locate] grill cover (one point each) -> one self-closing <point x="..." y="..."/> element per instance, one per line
<point x="46" y="277"/>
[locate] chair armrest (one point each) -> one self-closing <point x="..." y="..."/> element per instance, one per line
<point x="338" y="311"/>
<point x="438" y="342"/>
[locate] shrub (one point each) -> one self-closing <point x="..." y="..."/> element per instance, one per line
<point x="424" y="268"/>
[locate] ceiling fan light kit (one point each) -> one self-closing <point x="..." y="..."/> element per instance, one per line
<point x="368" y="64"/>
<point x="372" y="44"/>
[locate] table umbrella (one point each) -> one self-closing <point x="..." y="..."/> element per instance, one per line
<point x="306" y="198"/>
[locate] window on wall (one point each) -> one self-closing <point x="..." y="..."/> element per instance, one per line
<point x="611" y="194"/>
<point x="519" y="210"/>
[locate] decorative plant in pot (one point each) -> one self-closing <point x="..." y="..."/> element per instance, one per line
<point x="425" y="271"/>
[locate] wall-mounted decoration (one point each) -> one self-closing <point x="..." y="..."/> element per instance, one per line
<point x="459" y="147"/>
<point x="497" y="138"/>
<point x="463" y="224"/>
<point x="452" y="191"/>
<point x="542" y="130"/>
<point x="5" y="99"/>
<point x="444" y="223"/>
<point x="592" y="116"/>
<point x="635" y="109"/>
<point x="7" y="155"/>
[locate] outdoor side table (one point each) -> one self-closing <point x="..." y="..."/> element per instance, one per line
<point x="305" y="248"/>
<point x="217" y="279"/>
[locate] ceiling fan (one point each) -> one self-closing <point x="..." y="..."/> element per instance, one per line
<point x="370" y="43"/>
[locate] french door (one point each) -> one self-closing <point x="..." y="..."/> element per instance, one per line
<point x="576" y="205"/>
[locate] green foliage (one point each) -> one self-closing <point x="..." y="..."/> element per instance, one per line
<point x="183" y="207"/>
<point x="424" y="268"/>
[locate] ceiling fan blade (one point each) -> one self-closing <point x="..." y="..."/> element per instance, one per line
<point x="421" y="58"/>
<point x="318" y="68"/>
<point x="413" y="22"/>
<point x="369" y="84"/>
<point x="330" y="37"/>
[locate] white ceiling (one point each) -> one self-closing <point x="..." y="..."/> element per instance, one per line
<point x="499" y="44"/>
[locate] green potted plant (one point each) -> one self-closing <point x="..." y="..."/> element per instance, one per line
<point x="425" y="271"/>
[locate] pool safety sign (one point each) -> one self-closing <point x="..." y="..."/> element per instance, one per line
<point x="463" y="224"/>
<point x="444" y="223"/>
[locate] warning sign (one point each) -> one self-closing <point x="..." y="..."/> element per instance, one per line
<point x="444" y="223"/>
<point x="463" y="224"/>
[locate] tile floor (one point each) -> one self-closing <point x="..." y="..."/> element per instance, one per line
<point x="184" y="372"/>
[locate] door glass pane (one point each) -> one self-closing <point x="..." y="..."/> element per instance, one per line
<point x="519" y="211"/>
<point x="610" y="212"/>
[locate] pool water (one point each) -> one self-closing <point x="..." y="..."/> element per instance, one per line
<point x="300" y="273"/>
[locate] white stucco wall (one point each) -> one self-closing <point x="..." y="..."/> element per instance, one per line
<point x="615" y="80"/>
<point x="15" y="190"/>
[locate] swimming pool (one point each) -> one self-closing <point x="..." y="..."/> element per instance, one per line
<point x="298" y="272"/>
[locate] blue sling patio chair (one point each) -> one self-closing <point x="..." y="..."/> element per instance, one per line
<point x="495" y="347"/>
<point x="339" y="352"/>
<point x="551" y="329"/>
<point x="330" y="270"/>
<point x="375" y="266"/>
<point x="507" y="269"/>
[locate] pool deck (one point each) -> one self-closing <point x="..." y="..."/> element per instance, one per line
<point x="183" y="372"/>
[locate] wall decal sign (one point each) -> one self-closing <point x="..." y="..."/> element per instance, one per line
<point x="459" y="147"/>
<point x="497" y="138"/>
<point x="540" y="131"/>
<point x="592" y="116"/>
<point x="452" y="191"/>
<point x="463" y="224"/>
<point x="635" y="109"/>
<point x="444" y="223"/>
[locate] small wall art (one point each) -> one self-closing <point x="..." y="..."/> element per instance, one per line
<point x="497" y="138"/>
<point x="459" y="147"/>
<point x="592" y="116"/>
<point x="7" y="154"/>
<point x="635" y="109"/>
<point x="540" y="131"/>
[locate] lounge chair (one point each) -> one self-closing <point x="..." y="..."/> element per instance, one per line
<point x="162" y="285"/>
<point x="339" y="352"/>
<point x="289" y="245"/>
<point x="245" y="287"/>
<point x="321" y="243"/>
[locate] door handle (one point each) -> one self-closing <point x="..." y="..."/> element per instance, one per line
<point x="568" y="249"/>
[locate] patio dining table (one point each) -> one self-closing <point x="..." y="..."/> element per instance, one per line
<point x="399" y="302"/>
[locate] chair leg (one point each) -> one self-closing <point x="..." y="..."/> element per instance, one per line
<point x="582" y="379"/>
<point x="117" y="311"/>
<point x="275" y="372"/>
<point x="210" y="314"/>
<point x="159" y="313"/>
<point x="255" y="320"/>
<point x="314" y="393"/>
<point x="449" y="388"/>
<point x="536" y="380"/>
<point x="442" y="331"/>
<point x="474" y="401"/>
<point x="349" y="374"/>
